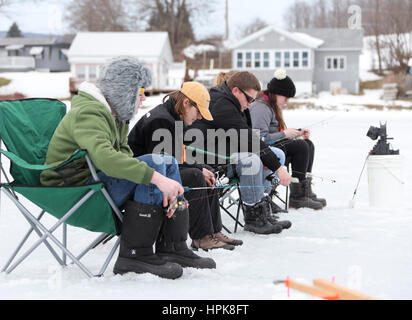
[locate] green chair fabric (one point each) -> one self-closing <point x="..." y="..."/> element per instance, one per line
<point x="26" y="127"/>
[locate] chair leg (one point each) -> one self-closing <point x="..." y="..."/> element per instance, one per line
<point x="16" y="251"/>
<point x="48" y="233"/>
<point x="109" y="258"/>
<point x="33" y="228"/>
<point x="64" y="242"/>
<point x="93" y="245"/>
<point x="239" y="206"/>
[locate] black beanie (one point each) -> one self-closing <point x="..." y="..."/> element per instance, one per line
<point x="282" y="85"/>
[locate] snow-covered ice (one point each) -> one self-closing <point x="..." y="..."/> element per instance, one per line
<point x="367" y="249"/>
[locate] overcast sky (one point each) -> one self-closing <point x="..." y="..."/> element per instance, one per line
<point x="46" y="16"/>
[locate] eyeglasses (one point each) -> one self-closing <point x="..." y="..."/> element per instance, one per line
<point x="248" y="97"/>
<point x="195" y="105"/>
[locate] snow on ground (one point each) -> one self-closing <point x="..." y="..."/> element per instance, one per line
<point x="36" y="84"/>
<point x="345" y="102"/>
<point x="367" y="249"/>
<point x="364" y="248"/>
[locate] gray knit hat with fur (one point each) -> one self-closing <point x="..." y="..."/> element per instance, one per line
<point x="119" y="80"/>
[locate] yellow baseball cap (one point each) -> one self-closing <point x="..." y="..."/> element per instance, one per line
<point x="198" y="93"/>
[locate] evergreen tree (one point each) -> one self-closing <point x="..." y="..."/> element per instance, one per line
<point x="14" y="31"/>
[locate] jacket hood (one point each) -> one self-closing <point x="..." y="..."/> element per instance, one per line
<point x="223" y="91"/>
<point x="119" y="81"/>
<point x="95" y="92"/>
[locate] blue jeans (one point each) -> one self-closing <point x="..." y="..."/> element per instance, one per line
<point x="281" y="155"/>
<point x="122" y="190"/>
<point x="252" y="177"/>
<point x="249" y="169"/>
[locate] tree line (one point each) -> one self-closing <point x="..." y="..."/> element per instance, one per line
<point x="388" y="23"/>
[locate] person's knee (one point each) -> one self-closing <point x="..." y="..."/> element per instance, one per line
<point x="303" y="146"/>
<point x="250" y="164"/>
<point x="192" y="177"/>
<point x="280" y="154"/>
<point x="310" y="144"/>
<point x="158" y="161"/>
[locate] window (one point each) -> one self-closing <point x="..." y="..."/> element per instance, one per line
<point x="248" y="60"/>
<point x="265" y="59"/>
<point x="257" y="60"/>
<point x="81" y="72"/>
<point x="278" y="60"/>
<point x="305" y="59"/>
<point x="92" y="72"/>
<point x="240" y="60"/>
<point x="286" y="59"/>
<point x="335" y="63"/>
<point x="296" y="59"/>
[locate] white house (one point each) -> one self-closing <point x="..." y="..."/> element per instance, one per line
<point x="90" y="50"/>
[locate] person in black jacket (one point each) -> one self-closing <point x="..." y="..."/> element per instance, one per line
<point x="229" y="108"/>
<point x="182" y="108"/>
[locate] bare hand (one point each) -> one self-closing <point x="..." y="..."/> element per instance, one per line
<point x="305" y="133"/>
<point x="209" y="177"/>
<point x="169" y="187"/>
<point x="283" y="176"/>
<point x="292" y="133"/>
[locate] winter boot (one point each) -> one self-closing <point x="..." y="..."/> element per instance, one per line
<point x="224" y="238"/>
<point x="311" y="194"/>
<point x="256" y="218"/>
<point x="140" y="229"/>
<point x="299" y="197"/>
<point x="171" y="245"/>
<point x="274" y="219"/>
<point x="209" y="242"/>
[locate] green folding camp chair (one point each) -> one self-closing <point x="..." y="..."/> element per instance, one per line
<point x="26" y="127"/>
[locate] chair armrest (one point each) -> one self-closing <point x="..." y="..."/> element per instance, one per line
<point x="78" y="154"/>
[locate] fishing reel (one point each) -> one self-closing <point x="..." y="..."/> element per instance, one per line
<point x="382" y="147"/>
<point x="178" y="204"/>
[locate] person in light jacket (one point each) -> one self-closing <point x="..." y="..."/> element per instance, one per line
<point x="98" y="122"/>
<point x="266" y="114"/>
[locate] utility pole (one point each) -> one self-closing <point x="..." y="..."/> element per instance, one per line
<point x="227" y="19"/>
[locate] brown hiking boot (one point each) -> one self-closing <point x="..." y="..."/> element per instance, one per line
<point x="209" y="242"/>
<point x="224" y="238"/>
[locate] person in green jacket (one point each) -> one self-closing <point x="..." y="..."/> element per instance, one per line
<point x="98" y="122"/>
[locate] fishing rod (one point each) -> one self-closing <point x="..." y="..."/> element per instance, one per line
<point x="318" y="123"/>
<point x="231" y="158"/>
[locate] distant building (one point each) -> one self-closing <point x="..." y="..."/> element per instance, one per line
<point x="24" y="54"/>
<point x="316" y="59"/>
<point x="90" y="50"/>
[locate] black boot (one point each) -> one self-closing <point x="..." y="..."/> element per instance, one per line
<point x="274" y="219"/>
<point x="311" y="194"/>
<point x="171" y="245"/>
<point x="299" y="198"/>
<point x="140" y="229"/>
<point x="256" y="218"/>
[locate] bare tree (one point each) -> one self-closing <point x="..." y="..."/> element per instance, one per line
<point x="175" y="17"/>
<point x="254" y="26"/>
<point x="398" y="24"/>
<point x="318" y="14"/>
<point x="299" y="15"/>
<point x="97" y="15"/>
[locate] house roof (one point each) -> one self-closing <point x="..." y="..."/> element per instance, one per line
<point x="337" y="38"/>
<point x="305" y="39"/>
<point x="27" y="41"/>
<point x="144" y="44"/>
<point x="317" y="38"/>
